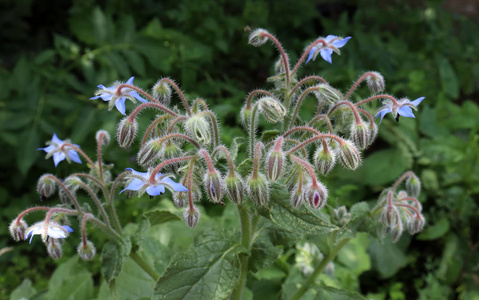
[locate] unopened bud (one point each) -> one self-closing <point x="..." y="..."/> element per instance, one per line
<point x="317" y="195"/>
<point x="72" y="184"/>
<point x="199" y="128"/>
<point x="46" y="185"/>
<point x="272" y="109"/>
<point x="214" y="186"/>
<point x="86" y="251"/>
<point x="102" y="137"/>
<point x="390" y="216"/>
<point x="126" y="132"/>
<point x="245" y="116"/>
<point x="327" y="94"/>
<point x="191" y="216"/>
<point x="341" y="216"/>
<point x="274" y="162"/>
<point x="375" y="82"/>
<point x="258" y="190"/>
<point x="149" y="153"/>
<point x="396" y="232"/>
<point x="297" y="196"/>
<point x="349" y="155"/>
<point x="416" y="224"/>
<point x="324" y="160"/>
<point x="258" y="37"/>
<point x="279" y="66"/>
<point x="17" y="229"/>
<point x="360" y="135"/>
<point x="54" y="248"/>
<point x="373" y="132"/>
<point x="413" y="186"/>
<point x="234" y="188"/>
<point x="162" y="92"/>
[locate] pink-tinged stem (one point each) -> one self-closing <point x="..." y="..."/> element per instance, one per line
<point x="257" y="154"/>
<point x="178" y="92"/>
<point x="306" y="79"/>
<point x="306" y="128"/>
<point x="152" y="125"/>
<point x="325" y="118"/>
<point x="307" y="166"/>
<point x="306" y="52"/>
<point x="353" y="108"/>
<point x="228" y="158"/>
<point x="418" y="204"/>
<point x="133" y="87"/>
<point x="357" y="83"/>
<point x="300" y="101"/>
<point x="402" y="178"/>
<point x="283" y="54"/>
<point x="181" y="136"/>
<point x="168" y="162"/>
<point x="98" y="154"/>
<point x="368" y="115"/>
<point x="207" y="157"/>
<point x="83" y="229"/>
<point x="256" y="92"/>
<point x="160" y="106"/>
<point x="37" y="208"/>
<point x="320" y="136"/>
<point x="174" y="122"/>
<point x="64" y="145"/>
<point x="377" y="97"/>
<point x="70" y="195"/>
<point x="418" y="214"/>
<point x="190" y="185"/>
<point x="201" y="102"/>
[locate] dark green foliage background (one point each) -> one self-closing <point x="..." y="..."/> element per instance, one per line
<point x="55" y="53"/>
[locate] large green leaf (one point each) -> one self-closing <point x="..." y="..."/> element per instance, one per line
<point x="23" y="291"/>
<point x="160" y="216"/>
<point x="209" y="269"/>
<point x="263" y="252"/>
<point x="113" y="258"/>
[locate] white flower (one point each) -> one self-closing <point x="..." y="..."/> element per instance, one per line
<point x="50" y="229"/>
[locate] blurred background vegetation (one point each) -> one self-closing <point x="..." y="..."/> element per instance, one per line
<point x="55" y="53"/>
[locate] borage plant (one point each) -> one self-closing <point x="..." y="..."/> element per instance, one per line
<point x="276" y="189"/>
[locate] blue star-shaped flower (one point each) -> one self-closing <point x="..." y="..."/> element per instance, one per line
<point x="333" y="44"/>
<point x="50" y="229"/>
<point x="55" y="149"/>
<point x="140" y="181"/>
<point x="109" y="94"/>
<point x="403" y="108"/>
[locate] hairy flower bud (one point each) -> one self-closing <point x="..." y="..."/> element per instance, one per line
<point x="341" y="216"/>
<point x="297" y="196"/>
<point x="199" y="128"/>
<point x="17" y="229"/>
<point x="86" y="251"/>
<point x="360" y="135"/>
<point x="149" y="153"/>
<point x="272" y="109"/>
<point x="413" y="186"/>
<point x="275" y="161"/>
<point x="46" y="185"/>
<point x="324" y="160"/>
<point x="327" y="94"/>
<point x="349" y="155"/>
<point x="316" y="195"/>
<point x="245" y="116"/>
<point x="191" y="216"/>
<point x="126" y="132"/>
<point x="214" y="186"/>
<point x="102" y="137"/>
<point x="258" y="190"/>
<point x="54" y="248"/>
<point x="373" y="132"/>
<point x="279" y="66"/>
<point x="234" y="188"/>
<point x="257" y="37"/>
<point x="416" y="224"/>
<point x="390" y="216"/>
<point x="72" y="183"/>
<point x="375" y="82"/>
<point x="162" y="92"/>
<point x="396" y="232"/>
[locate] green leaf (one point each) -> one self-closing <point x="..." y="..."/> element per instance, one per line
<point x="209" y="269"/>
<point x="142" y="230"/>
<point x="235" y="146"/>
<point x="161" y="216"/>
<point x="269" y="135"/>
<point x="263" y="252"/>
<point x="245" y="167"/>
<point x="387" y="258"/>
<point x="71" y="280"/>
<point x="448" y="78"/>
<point x="135" y="60"/>
<point x="354" y="256"/>
<point x="24" y="291"/>
<point x="113" y="257"/>
<point x="27" y="153"/>
<point x="331" y="293"/>
<point x="436" y="231"/>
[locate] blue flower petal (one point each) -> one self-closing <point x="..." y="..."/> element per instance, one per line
<point x="418" y="101"/>
<point x="155" y="190"/>
<point x="74" y="156"/>
<point x="120" y="105"/>
<point x="330" y="37"/>
<point x="136" y="96"/>
<point x="94" y="98"/>
<point x="142" y="174"/>
<point x="56" y="140"/>
<point x="48" y="149"/>
<point x="311" y="54"/>
<point x="341" y="43"/>
<point x="58" y="157"/>
<point x="177" y="187"/>
<point x="406" y="111"/>
<point x="130" y="81"/>
<point x="134" y="185"/>
<point x="106" y="96"/>
<point x="326" y="55"/>
<point x="382" y="113"/>
<point x="67" y="228"/>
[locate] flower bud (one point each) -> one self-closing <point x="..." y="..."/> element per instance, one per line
<point x="234" y="188"/>
<point x="126" y="132"/>
<point x="349" y="155"/>
<point x="149" y="153"/>
<point x="416" y="224"/>
<point x="341" y="216"/>
<point x="162" y="92"/>
<point x="17" y="229"/>
<point x="327" y="94"/>
<point x="297" y="196"/>
<point x="272" y="109"/>
<point x="373" y="132"/>
<point x="46" y="185"/>
<point x="72" y="184"/>
<point x="396" y="232"/>
<point x="102" y="137"/>
<point x="245" y="116"/>
<point x="54" y="248"/>
<point x="191" y="216"/>
<point x="329" y="269"/>
<point x="214" y="186"/>
<point x="257" y="37"/>
<point x="86" y="251"/>
<point x="279" y="66"/>
<point x="324" y="160"/>
<point x="199" y="128"/>
<point x="413" y="186"/>
<point x="274" y="163"/>
<point x="390" y="216"/>
<point x="316" y="195"/>
<point x="375" y="82"/>
<point x="258" y="189"/>
<point x="360" y="135"/>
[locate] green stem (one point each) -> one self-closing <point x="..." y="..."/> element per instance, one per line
<point x="144" y="265"/>
<point x="319" y="269"/>
<point x="246" y="234"/>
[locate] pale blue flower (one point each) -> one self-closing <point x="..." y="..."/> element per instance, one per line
<point x="55" y="149"/>
<point x="109" y="94"/>
<point x="50" y="229"/>
<point x="140" y="181"/>
<point x="403" y="108"/>
<point x="333" y="43"/>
